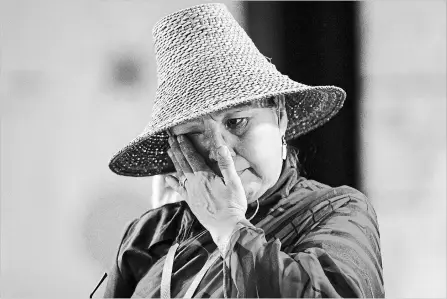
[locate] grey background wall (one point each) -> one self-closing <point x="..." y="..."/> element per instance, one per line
<point x="76" y="83"/>
<point x="403" y="140"/>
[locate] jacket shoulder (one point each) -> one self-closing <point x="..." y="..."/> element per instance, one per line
<point x="322" y="192"/>
<point x="154" y="226"/>
<point x="316" y="201"/>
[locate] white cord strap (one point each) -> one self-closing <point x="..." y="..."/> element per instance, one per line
<point x="165" y="292"/>
<point x="194" y="285"/>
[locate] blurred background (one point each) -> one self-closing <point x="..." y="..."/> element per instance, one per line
<point x="77" y="79"/>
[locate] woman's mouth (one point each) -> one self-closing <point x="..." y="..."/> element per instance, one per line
<point x="239" y="172"/>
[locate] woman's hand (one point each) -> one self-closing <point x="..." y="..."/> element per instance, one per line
<point x="218" y="203"/>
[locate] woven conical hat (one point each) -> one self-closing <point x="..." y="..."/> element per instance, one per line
<point x="206" y="63"/>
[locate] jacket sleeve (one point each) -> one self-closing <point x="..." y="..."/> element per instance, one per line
<point x="117" y="286"/>
<point x="145" y="240"/>
<point x="333" y="253"/>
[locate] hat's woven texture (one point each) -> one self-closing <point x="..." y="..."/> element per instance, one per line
<point x="206" y="63"/>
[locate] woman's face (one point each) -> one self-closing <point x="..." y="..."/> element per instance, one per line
<point x="253" y="136"/>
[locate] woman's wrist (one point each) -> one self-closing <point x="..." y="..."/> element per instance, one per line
<point x="222" y="234"/>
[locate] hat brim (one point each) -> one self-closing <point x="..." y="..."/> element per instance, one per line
<point x="308" y="107"/>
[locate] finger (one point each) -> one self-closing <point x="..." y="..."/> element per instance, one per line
<point x="180" y="176"/>
<point x="226" y="165"/>
<point x="195" y="160"/>
<point x="176" y="164"/>
<point x="182" y="162"/>
<point x="174" y="184"/>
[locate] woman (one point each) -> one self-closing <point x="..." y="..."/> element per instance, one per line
<point x="249" y="225"/>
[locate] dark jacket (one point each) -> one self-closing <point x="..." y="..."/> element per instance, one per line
<point x="310" y="240"/>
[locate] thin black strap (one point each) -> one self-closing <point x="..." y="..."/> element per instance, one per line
<point x="102" y="279"/>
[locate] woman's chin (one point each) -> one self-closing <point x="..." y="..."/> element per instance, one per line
<point x="252" y="184"/>
<point x="251" y="193"/>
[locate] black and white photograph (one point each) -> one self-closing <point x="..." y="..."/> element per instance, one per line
<point x="223" y="149"/>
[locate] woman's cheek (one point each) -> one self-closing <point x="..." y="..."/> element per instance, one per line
<point x="264" y="148"/>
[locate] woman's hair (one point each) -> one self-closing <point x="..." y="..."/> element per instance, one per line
<point x="271" y="102"/>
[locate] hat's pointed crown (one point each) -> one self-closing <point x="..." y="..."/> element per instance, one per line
<point x="204" y="59"/>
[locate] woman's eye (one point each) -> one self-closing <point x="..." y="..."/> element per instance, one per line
<point x="193" y="134"/>
<point x="236" y="123"/>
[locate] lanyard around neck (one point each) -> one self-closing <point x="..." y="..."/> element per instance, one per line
<point x="165" y="292"/>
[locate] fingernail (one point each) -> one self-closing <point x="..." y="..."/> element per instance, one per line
<point x="169" y="153"/>
<point x="222" y="151"/>
<point x="171" y="141"/>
